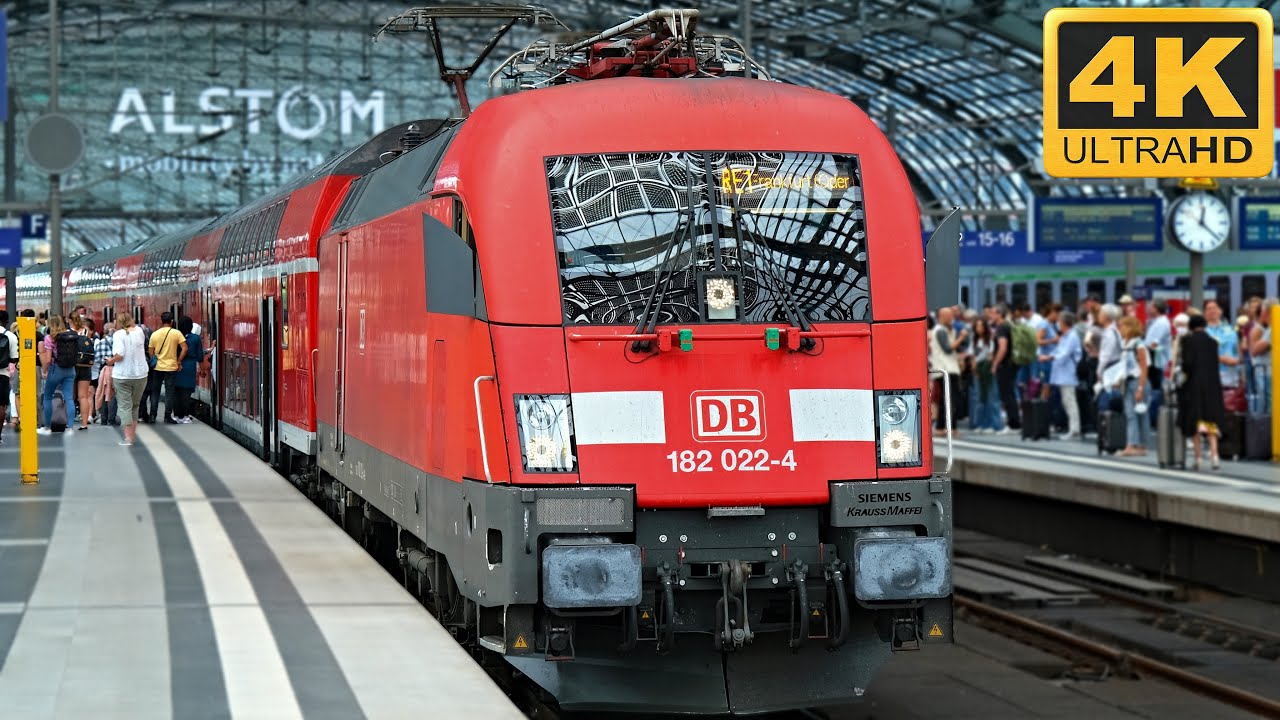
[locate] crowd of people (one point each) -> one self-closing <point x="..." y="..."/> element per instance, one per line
<point x="115" y="375"/>
<point x="1102" y="357"/>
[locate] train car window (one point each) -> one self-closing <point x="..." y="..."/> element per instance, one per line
<point x="1098" y="289"/>
<point x="1018" y="293"/>
<point x="964" y="296"/>
<point x="397" y="184"/>
<point x="1122" y="287"/>
<point x="273" y="232"/>
<point x="254" y="250"/>
<point x="453" y="269"/>
<point x="225" y="248"/>
<point x="1002" y="293"/>
<point x="284" y="310"/>
<point x="1219" y="288"/>
<point x="245" y="241"/>
<point x="1069" y="294"/>
<point x="615" y="216"/>
<point x="1044" y="294"/>
<point x="343" y="217"/>
<point x="1252" y="286"/>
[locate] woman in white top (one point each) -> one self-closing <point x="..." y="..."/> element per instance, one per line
<point x="128" y="373"/>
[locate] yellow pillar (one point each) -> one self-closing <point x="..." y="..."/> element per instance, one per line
<point x="27" y="399"/>
<point x="1275" y="383"/>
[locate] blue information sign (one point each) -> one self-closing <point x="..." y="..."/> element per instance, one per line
<point x="10" y="247"/>
<point x="1259" y="223"/>
<point x="1118" y="224"/>
<point x="35" y="226"/>
<point x="1009" y="247"/>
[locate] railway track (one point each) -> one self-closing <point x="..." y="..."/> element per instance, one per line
<point x="1116" y="630"/>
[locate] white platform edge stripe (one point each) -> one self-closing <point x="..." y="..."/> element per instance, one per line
<point x="619" y="418"/>
<point x="832" y="415"/>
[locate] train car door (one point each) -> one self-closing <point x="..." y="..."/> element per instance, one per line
<point x="267" y="378"/>
<point x="340" y="359"/>
<point x="219" y="364"/>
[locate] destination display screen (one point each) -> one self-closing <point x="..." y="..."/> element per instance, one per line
<point x="1260" y="223"/>
<point x="1118" y="224"/>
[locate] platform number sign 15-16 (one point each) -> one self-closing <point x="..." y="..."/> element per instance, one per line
<point x="1158" y="92"/>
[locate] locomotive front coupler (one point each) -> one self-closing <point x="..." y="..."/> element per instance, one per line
<point x="735" y="628"/>
<point x="796" y="573"/>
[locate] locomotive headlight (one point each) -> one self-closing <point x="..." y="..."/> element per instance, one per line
<point x="898" y="428"/>
<point x="545" y="423"/>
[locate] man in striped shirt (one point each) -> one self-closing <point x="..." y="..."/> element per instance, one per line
<point x="105" y="397"/>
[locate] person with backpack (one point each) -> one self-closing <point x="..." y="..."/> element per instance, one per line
<point x="1003" y="367"/>
<point x="59" y="361"/>
<point x="8" y="357"/>
<point x="84" y="367"/>
<point x="167" y="348"/>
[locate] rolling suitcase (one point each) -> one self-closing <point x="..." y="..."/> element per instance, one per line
<point x="1112" y="434"/>
<point x="1088" y="413"/>
<point x="1171" y="449"/>
<point x="1035" y="419"/>
<point x="1231" y="444"/>
<point x="1257" y="437"/>
<point x="58" y="418"/>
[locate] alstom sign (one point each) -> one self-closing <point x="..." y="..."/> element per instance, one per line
<point x="297" y="112"/>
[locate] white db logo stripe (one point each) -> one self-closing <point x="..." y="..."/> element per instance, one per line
<point x="619" y="418"/>
<point x="832" y="415"/>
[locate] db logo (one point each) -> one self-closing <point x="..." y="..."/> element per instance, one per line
<point x="732" y="415"/>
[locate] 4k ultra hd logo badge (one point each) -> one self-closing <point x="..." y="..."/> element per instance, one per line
<point x="1158" y="92"/>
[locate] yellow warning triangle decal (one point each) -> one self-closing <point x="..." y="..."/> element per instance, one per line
<point x="935" y="631"/>
<point x="815" y="613"/>
<point x="520" y="643"/>
<point x="644" y="615"/>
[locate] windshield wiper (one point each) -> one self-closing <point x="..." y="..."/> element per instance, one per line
<point x="778" y="286"/>
<point x="653" y="305"/>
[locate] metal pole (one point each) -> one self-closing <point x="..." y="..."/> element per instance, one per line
<point x="744" y="23"/>
<point x="55" y="181"/>
<point x="1275" y="383"/>
<point x="55" y="244"/>
<point x="1197" y="280"/>
<point x="29" y="451"/>
<point x="10" y="193"/>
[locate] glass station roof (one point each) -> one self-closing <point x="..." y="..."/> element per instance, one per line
<point x="192" y="107"/>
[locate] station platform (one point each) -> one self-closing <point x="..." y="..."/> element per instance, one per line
<point x="1219" y="528"/>
<point x="182" y="578"/>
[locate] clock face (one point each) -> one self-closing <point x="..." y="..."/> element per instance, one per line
<point x="1201" y="222"/>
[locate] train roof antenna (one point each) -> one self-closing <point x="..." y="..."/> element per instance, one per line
<point x="428" y="19"/>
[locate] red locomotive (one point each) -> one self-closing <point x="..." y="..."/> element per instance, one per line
<point x="630" y="372"/>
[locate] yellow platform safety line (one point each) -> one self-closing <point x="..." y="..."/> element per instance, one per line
<point x="30" y="458"/>
<point x="1275" y="384"/>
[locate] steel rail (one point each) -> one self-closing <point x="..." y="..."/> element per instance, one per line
<point x="1221" y="692"/>
<point x="1132" y="599"/>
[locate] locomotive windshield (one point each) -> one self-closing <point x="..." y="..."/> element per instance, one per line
<point x="764" y="234"/>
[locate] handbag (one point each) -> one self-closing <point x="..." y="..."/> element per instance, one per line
<point x="151" y="361"/>
<point x="1233" y="400"/>
<point x="1114" y="374"/>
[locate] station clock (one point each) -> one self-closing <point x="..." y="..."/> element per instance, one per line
<point x="1200" y="222"/>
